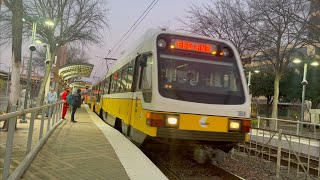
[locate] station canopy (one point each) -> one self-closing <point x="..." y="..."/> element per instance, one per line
<point x="75" y="70"/>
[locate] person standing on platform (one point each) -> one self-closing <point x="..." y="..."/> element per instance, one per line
<point x="51" y="98"/>
<point x="76" y="103"/>
<point x="65" y="103"/>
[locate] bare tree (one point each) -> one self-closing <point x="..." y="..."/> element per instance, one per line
<point x="217" y="19"/>
<point x="273" y="28"/>
<point x="74" y="21"/>
<point x="279" y="32"/>
<point x="76" y="55"/>
<point x="15" y="11"/>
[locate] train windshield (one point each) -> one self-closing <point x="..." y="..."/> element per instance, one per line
<point x="200" y="80"/>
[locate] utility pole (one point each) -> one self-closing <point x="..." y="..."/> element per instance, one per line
<point x="107" y="59"/>
<point x="34" y="29"/>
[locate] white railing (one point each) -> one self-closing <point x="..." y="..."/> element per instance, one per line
<point x="291" y="153"/>
<point x="295" y="128"/>
<point x="32" y="145"/>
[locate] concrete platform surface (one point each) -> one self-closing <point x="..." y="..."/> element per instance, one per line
<point x="90" y="149"/>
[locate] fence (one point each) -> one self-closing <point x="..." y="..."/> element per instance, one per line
<point x="289" y="126"/>
<point x="32" y="145"/>
<point x="289" y="151"/>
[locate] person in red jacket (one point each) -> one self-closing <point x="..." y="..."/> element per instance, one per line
<point x="65" y="105"/>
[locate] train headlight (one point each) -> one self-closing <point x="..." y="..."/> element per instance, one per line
<point x="225" y="52"/>
<point x="172" y="121"/>
<point x="234" y="125"/>
<point x="162" y="43"/>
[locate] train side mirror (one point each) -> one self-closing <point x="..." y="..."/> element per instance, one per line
<point x="143" y="61"/>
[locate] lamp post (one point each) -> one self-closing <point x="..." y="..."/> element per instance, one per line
<point x="32" y="48"/>
<point x="249" y="77"/>
<point x="8" y="77"/>
<point x="304" y="85"/>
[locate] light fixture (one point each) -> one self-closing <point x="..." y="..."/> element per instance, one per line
<point x="49" y="23"/>
<point x="172" y="120"/>
<point x="225" y="51"/>
<point x="38" y="41"/>
<point x="162" y="43"/>
<point x="296" y="61"/>
<point x="315" y="63"/>
<point x="234" y="125"/>
<point x="256" y="71"/>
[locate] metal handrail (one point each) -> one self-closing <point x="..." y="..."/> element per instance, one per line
<point x="298" y="123"/>
<point x="291" y="121"/>
<point x="55" y="111"/>
<point x="294" y="135"/>
<point x="23" y="112"/>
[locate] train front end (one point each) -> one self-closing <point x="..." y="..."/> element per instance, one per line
<point x="200" y="92"/>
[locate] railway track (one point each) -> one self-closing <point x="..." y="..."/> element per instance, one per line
<point x="178" y="164"/>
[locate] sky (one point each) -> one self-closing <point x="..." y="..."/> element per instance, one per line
<point x="122" y="15"/>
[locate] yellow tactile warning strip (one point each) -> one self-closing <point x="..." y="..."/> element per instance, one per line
<point x="76" y="151"/>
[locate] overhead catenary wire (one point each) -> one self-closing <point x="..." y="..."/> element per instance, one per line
<point x="135" y="27"/>
<point x="135" y="23"/>
<point x="129" y="32"/>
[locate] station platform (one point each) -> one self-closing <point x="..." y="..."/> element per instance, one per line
<point x="90" y="149"/>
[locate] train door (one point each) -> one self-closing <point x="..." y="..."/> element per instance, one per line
<point x="142" y="72"/>
<point x="136" y="97"/>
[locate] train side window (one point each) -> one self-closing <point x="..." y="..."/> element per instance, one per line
<point x="102" y="87"/>
<point x="124" y="77"/>
<point x="116" y="81"/>
<point x="109" y="84"/>
<point x="144" y="81"/>
<point x="147" y="74"/>
<point x="113" y="84"/>
<point x="106" y="86"/>
<point x="130" y="75"/>
<point x="137" y="75"/>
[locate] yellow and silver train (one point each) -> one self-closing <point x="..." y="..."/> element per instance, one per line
<point x="176" y="86"/>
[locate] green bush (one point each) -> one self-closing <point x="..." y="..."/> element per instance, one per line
<point x="254" y="122"/>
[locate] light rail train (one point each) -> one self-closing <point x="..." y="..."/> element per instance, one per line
<point x="174" y="86"/>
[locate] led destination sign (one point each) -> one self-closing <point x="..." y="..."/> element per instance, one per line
<point x="193" y="46"/>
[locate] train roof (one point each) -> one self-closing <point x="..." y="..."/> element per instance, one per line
<point x="143" y="45"/>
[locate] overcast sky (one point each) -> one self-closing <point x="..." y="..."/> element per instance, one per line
<point x="122" y="15"/>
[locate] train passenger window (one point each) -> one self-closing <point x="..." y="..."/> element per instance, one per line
<point x="147" y="74"/>
<point x="143" y="79"/>
<point x="117" y="81"/>
<point x="124" y="77"/>
<point x="102" y="87"/>
<point x="144" y="82"/>
<point x="113" y="83"/>
<point x="130" y="75"/>
<point x="106" y="85"/>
